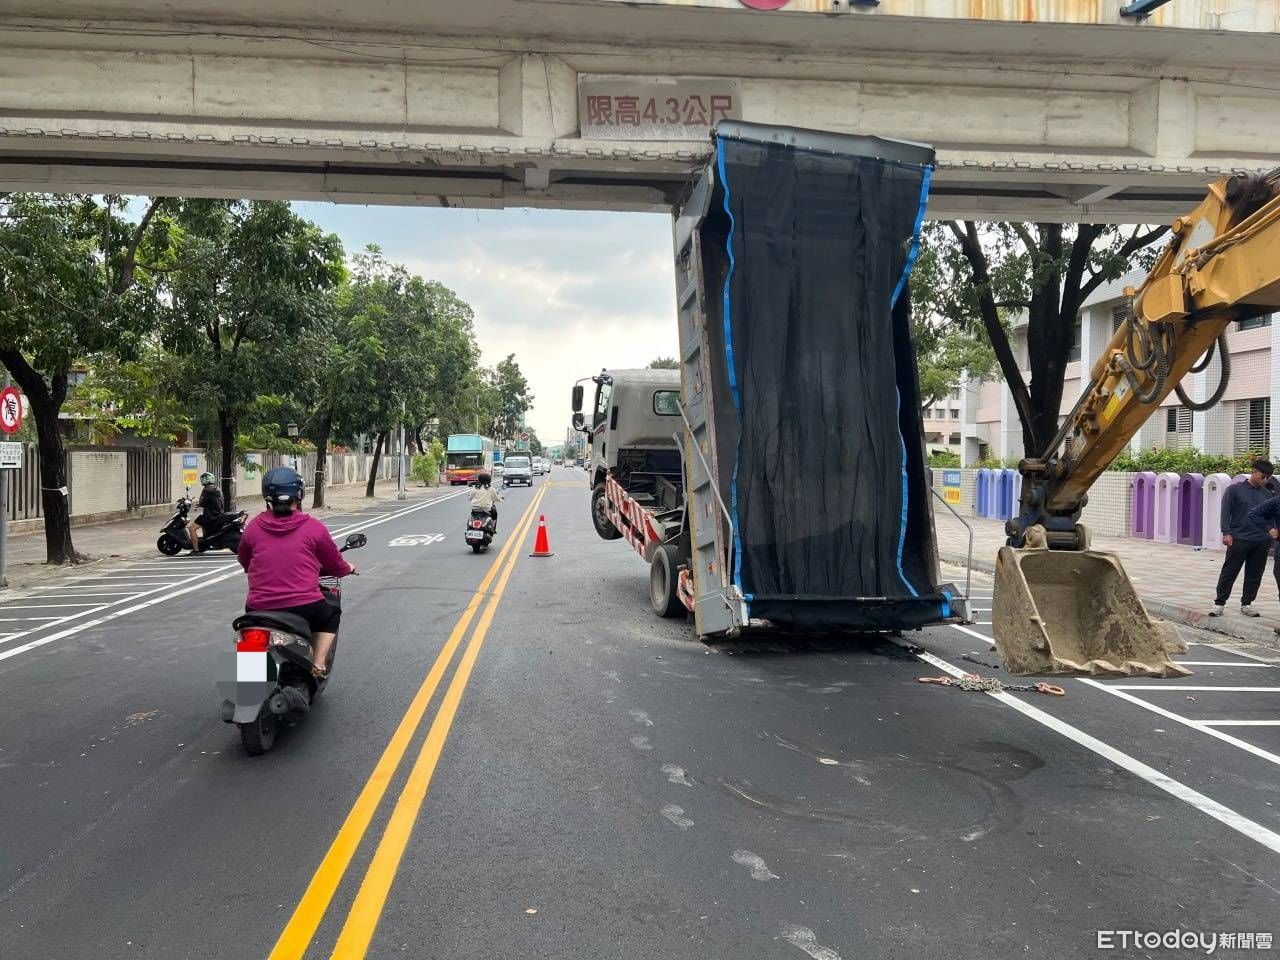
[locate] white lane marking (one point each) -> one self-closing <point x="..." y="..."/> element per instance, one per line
<point x="639" y="716"/>
<point x="112" y="593"/>
<point x="25" y="619"/>
<point x="1194" y="798"/>
<point x="206" y="581"/>
<point x="980" y="609"/>
<point x="972" y="633"/>
<point x="1185" y="721"/>
<point x="676" y="815"/>
<point x="982" y="623"/>
<point x="805" y="939"/>
<point x="676" y="774"/>
<point x="45" y="606"/>
<point x="1239" y="723"/>
<point x="759" y="869"/>
<point x="1221" y="648"/>
<point x="1224" y="663"/>
<point x="1157" y="686"/>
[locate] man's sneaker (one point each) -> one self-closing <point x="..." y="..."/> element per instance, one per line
<point x="1248" y="611"/>
<point x="1216" y="610"/>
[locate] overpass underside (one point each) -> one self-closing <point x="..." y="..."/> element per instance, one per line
<point x="603" y="104"/>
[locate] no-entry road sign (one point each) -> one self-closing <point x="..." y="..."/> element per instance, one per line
<point x="10" y="410"/>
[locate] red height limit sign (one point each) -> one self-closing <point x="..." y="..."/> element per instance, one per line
<point x="10" y="410"/>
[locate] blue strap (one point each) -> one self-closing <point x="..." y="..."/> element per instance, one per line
<point x="897" y="292"/>
<point x="733" y="373"/>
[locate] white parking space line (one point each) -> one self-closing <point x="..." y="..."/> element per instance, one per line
<point x="1240" y="723"/>
<point x="1194" y="798"/>
<point x="1185" y="721"/>
<point x="972" y="633"/>
<point x="60" y="593"/>
<point x="982" y="623"/>
<point x="1224" y="663"/>
<point x="1160" y="687"/>
<point x="203" y="577"/>
<point x="981" y="609"/>
<point x="24" y="619"/>
<point x="1235" y="653"/>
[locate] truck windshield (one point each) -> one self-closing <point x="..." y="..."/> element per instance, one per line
<point x="516" y="462"/>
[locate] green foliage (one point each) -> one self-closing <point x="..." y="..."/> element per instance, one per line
<point x="944" y="458"/>
<point x="1187" y="460"/>
<point x="664" y="363"/>
<point x="991" y="463"/>
<point x="134" y="396"/>
<point x="426" y="469"/>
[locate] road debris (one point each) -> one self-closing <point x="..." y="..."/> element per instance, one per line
<point x="974" y="683"/>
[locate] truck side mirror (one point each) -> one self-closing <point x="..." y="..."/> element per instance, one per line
<point x="578" y="421"/>
<point x="577" y="397"/>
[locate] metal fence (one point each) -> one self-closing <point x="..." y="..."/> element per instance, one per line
<point x="23" y="490"/>
<point x="148" y="478"/>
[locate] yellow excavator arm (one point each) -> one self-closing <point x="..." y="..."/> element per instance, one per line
<point x="1058" y="606"/>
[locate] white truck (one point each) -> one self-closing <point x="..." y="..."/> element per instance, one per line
<point x="778" y="478"/>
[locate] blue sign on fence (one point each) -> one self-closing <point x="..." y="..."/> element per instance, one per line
<point x="951" y="478"/>
<point x="190" y="461"/>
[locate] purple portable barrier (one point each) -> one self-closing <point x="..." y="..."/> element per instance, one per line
<point x="1215" y="485"/>
<point x="982" y="492"/>
<point x="1240" y="478"/>
<point x="1006" y="503"/>
<point x="1142" y="521"/>
<point x="1165" y="527"/>
<point x="1191" y="510"/>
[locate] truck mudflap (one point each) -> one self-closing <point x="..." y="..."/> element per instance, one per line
<point x="854" y="614"/>
<point x="1076" y="612"/>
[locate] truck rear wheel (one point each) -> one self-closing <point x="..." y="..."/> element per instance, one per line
<point x="604" y="526"/>
<point x="664" y="578"/>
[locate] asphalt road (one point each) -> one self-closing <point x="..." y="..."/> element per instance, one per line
<point x="515" y="758"/>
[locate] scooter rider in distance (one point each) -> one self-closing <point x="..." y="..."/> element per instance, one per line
<point x="284" y="553"/>
<point x="485" y="497"/>
<point x="212" y="510"/>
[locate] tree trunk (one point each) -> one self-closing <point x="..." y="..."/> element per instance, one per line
<point x="322" y="460"/>
<point x="46" y="400"/>
<point x="55" y="502"/>
<point x="377" y="459"/>
<point x="417" y="439"/>
<point x="227" y="439"/>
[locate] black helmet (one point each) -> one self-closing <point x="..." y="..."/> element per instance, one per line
<point x="281" y="486"/>
<point x="483" y="479"/>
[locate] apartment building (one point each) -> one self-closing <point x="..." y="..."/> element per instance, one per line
<point x="1241" y="422"/>
<point x="942" y="423"/>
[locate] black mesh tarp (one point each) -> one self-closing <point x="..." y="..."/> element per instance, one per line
<point x="817" y="404"/>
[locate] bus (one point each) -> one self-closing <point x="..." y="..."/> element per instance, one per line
<point x="466" y="455"/>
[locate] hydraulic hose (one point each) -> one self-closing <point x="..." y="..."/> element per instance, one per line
<point x="1225" y="354"/>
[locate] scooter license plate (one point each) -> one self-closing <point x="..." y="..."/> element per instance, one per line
<point x="475" y="534"/>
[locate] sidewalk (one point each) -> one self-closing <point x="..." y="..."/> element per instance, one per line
<point x="134" y="538"/>
<point x="1175" y="582"/>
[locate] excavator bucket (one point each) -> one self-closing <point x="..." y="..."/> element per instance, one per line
<point x="1075" y="612"/>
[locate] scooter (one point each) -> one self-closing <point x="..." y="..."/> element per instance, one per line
<point x="173" y="535"/>
<point x="268" y="678"/>
<point x="481" y="529"/>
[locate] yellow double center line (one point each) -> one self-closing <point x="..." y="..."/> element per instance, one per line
<point x="367" y="909"/>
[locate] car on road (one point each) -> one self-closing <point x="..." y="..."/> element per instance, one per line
<point x="517" y="469"/>
<point x="498" y="469"/>
<point x="539" y="467"/>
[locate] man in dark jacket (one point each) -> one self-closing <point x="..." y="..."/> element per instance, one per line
<point x="1245" y="537"/>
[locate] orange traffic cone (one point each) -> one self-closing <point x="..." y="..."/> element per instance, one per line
<point x="542" y="546"/>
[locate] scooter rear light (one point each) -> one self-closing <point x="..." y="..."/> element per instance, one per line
<point x="477" y="524"/>
<point x="253" y="640"/>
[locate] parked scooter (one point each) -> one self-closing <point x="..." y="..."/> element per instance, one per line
<point x="268" y="678"/>
<point x="226" y="536"/>
<point x="481" y="529"/>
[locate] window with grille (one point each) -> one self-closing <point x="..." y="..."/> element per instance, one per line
<point x="1253" y="425"/>
<point x="1074" y="353"/>
<point x="1117" y="317"/>
<point x="955" y="438"/>
<point x="1177" y="420"/>
<point x="1254" y="323"/>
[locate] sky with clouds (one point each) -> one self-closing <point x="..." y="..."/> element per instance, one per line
<point x="567" y="292"/>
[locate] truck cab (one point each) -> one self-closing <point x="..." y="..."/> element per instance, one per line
<point x="634" y="428"/>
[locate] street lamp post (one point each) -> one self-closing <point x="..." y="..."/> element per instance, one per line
<point x="404" y="442"/>
<point x="291" y="429"/>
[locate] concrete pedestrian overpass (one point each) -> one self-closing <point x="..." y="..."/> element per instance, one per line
<point x="1040" y="109"/>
